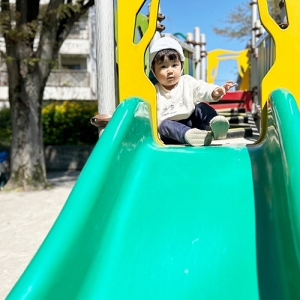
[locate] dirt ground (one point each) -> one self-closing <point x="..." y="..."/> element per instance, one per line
<point x="25" y="220"/>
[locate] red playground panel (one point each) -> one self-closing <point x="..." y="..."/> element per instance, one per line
<point x="235" y="99"/>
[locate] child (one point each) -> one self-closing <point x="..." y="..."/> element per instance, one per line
<point x="183" y="117"/>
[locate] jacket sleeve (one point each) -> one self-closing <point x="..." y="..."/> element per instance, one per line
<point x="203" y="91"/>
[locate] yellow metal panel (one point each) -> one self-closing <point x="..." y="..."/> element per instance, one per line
<point x="215" y="56"/>
<point x="132" y="78"/>
<point x="244" y="85"/>
<point x="285" y="71"/>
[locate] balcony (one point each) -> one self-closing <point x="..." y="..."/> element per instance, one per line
<point x="59" y="78"/>
<point x="68" y="78"/>
<point x="79" y="31"/>
<point x="3" y="78"/>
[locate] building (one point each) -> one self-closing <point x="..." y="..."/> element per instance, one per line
<point x="75" y="75"/>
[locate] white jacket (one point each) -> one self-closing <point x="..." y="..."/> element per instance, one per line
<point x="179" y="103"/>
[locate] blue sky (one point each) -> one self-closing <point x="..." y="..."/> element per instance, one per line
<point x="183" y="15"/>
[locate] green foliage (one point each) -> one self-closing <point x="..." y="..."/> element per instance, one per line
<point x="31" y="61"/>
<point x="5" y="127"/>
<point x="67" y="10"/>
<point x="68" y="122"/>
<point x="64" y="123"/>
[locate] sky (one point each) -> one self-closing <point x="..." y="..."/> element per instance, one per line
<point x="184" y="15"/>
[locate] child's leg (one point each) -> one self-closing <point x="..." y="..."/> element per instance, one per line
<point x="205" y="116"/>
<point x="172" y="132"/>
<point x="179" y="132"/>
<point x="202" y="115"/>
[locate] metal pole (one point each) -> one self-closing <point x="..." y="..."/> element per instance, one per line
<point x="254" y="18"/>
<point x="197" y="53"/>
<point x="157" y="34"/>
<point x="105" y="46"/>
<point x="254" y="84"/>
<point x="190" y="39"/>
<point x="203" y="57"/>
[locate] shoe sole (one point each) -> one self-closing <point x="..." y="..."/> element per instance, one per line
<point x="198" y="138"/>
<point x="219" y="128"/>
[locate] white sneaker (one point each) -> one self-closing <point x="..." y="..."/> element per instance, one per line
<point x="197" y="137"/>
<point x="219" y="126"/>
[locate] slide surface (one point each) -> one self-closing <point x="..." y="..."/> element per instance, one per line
<point x="145" y="221"/>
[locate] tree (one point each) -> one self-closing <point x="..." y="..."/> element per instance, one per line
<point x="240" y="20"/>
<point x="28" y="65"/>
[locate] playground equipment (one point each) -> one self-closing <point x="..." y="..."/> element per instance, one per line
<point x="146" y="221"/>
<point x="284" y="64"/>
<point x="243" y="96"/>
<point x="215" y="56"/>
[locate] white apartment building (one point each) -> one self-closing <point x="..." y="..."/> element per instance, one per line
<point x="75" y="76"/>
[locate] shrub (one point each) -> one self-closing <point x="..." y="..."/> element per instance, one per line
<point x="68" y="122"/>
<point x="64" y="123"/>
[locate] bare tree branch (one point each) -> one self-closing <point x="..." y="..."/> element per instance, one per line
<point x="239" y="21"/>
<point x="66" y="24"/>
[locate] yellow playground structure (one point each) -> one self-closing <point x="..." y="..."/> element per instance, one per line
<point x="266" y="59"/>
<point x="214" y="57"/>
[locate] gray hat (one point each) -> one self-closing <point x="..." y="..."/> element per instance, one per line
<point x="165" y="43"/>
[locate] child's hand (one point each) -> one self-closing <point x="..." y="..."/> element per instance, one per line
<point x="229" y="84"/>
<point x="222" y="90"/>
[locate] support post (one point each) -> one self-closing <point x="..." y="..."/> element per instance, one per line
<point x="157" y="34"/>
<point x="197" y="53"/>
<point x="105" y="45"/>
<point x="254" y="19"/>
<point x="203" y="56"/>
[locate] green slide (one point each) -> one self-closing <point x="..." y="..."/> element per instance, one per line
<point x="145" y="221"/>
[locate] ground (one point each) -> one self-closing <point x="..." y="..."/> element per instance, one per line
<point x="25" y="220"/>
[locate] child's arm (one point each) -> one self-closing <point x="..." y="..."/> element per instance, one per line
<point x="222" y="90"/>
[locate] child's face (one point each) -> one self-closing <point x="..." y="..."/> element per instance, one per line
<point x="168" y="72"/>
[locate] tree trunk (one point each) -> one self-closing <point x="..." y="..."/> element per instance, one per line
<point x="28" y="69"/>
<point x="28" y="170"/>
